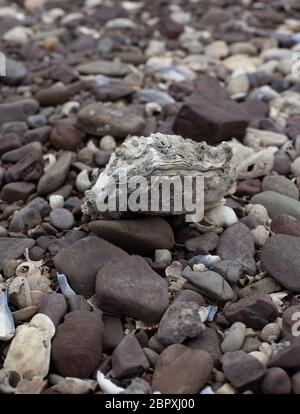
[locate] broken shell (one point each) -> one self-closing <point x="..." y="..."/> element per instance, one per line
<point x="33" y="386"/>
<point x="221" y="216"/>
<point x="174" y="271"/>
<point x="162" y="155"/>
<point x="106" y="385"/>
<point x="270" y="333"/>
<point x="56" y="201"/>
<point x="65" y="288"/>
<point x="225" y="389"/>
<point x="7" y="326"/>
<point x="83" y="182"/>
<point x="29" y="352"/>
<point x="50" y="161"/>
<point x="9" y="379"/>
<point x="203" y="312"/>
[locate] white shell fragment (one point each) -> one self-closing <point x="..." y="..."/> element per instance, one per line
<point x="223" y="216"/>
<point x="7" y="326"/>
<point x="163" y="156"/>
<point x="106" y="385"/>
<point x="83" y="182"/>
<point x="56" y="201"/>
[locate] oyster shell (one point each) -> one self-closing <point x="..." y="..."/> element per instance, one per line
<point x="168" y="156"/>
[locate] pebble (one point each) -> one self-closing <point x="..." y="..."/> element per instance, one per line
<point x="61" y="218"/>
<point x="281" y="185"/>
<point x="163" y="256"/>
<point x="233" y="341"/>
<point x="108" y="143"/>
<point x="144" y="292"/>
<point x="202" y="244"/>
<point x="82" y="260"/>
<point x="208" y="341"/>
<point x="277" y="203"/>
<point x="180" y="370"/>
<point x="65" y="137"/>
<point x="13" y="248"/>
<point x="55" y="175"/>
<point x="296" y="383"/>
<point x="113" y="333"/>
<point x="55" y="307"/>
<point x="18" y="111"/>
<point x="15" y="72"/>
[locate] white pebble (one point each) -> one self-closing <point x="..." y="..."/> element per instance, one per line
<point x="221" y="216"/>
<point x="163" y="256"/>
<point x="83" y="182"/>
<point x="261" y="235"/>
<point x="108" y="143"/>
<point x="260" y="356"/>
<point x="56" y="201"/>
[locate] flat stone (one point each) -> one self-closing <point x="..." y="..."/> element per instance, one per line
<point x="202" y="244"/>
<point x="280" y="258"/>
<point x="209" y="114"/>
<point x="210" y="284"/>
<point x="81" y="261"/>
<point x="180" y="370"/>
<point x="13" y="248"/>
<point x="229" y="269"/>
<point x="29" y="216"/>
<point x="266" y="285"/>
<point x="248" y="187"/>
<point x="234" y="340"/>
<point x="16" y="191"/>
<point x="241" y="369"/>
<point x="28" y="169"/>
<point x="55" y="307"/>
<point x="181" y="320"/>
<point x="254" y="311"/>
<point x="208" y="341"/>
<point x="104" y="67"/>
<point x="56" y="175"/>
<point x="55" y="95"/>
<point x="237" y="244"/>
<point x="102" y="119"/>
<point x="280" y="184"/>
<point x="18" y="111"/>
<point x="33" y="149"/>
<point x="65" y="137"/>
<point x="57" y="245"/>
<point x="77" y="344"/>
<point x="9" y="142"/>
<point x="277" y="203"/>
<point x="129" y="358"/>
<point x="140" y="235"/>
<point x="130" y="287"/>
<point x="187" y="295"/>
<point x="285" y="224"/>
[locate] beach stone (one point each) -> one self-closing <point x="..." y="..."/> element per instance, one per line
<point x="112" y="92"/>
<point x="140" y="235"/>
<point x="266" y="285"/>
<point x="15" y="72"/>
<point x="54" y="306"/>
<point x="18" y="111"/>
<point x="287" y="356"/>
<point x="65" y="137"/>
<point x="210" y="284"/>
<point x="295" y="167"/>
<point x="181" y="320"/>
<point x="281" y="185"/>
<point x="248" y="187"/>
<point x="209" y="114"/>
<point x="237" y="244"/>
<point x="61" y="218"/>
<point x="33" y="149"/>
<point x="77" y="344"/>
<point x="273" y="259"/>
<point x="251" y="344"/>
<point x="28" y="169"/>
<point x="40" y="134"/>
<point x="208" y="341"/>
<point x="234" y="340"/>
<point x="104" y="67"/>
<point x="202" y="244"/>
<point x="102" y="119"/>
<point x="10" y="142"/>
<point x="82" y="260"/>
<point x="102" y="158"/>
<point x="128" y="358"/>
<point x="254" y="311"/>
<point x="29" y="216"/>
<point x="241" y="369"/>
<point x="113" y="332"/>
<point x="189" y="296"/>
<point x="13" y="248"/>
<point x="144" y="292"/>
<point x="282" y="164"/>
<point x="277" y="203"/>
<point x="56" y="175"/>
<point x="16" y="191"/>
<point x="285" y="224"/>
<point x="276" y="381"/>
<point x="55" y="95"/>
<point x="180" y="370"/>
<point x="296" y="383"/>
<point x="57" y="245"/>
<point x="229" y="269"/>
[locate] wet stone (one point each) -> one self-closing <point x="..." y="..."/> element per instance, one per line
<point x="62" y="219"/>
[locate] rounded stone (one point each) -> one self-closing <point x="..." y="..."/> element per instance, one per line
<point x="276" y="381"/>
<point x="235" y="338"/>
<point x="62" y="219"/>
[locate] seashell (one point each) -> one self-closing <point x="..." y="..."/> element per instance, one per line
<point x="207" y="260"/>
<point x="9" y="380"/>
<point x="162" y="155"/>
<point x="31" y="386"/>
<point x="174" y="271"/>
<point x="270" y="333"/>
<point x="83" y="182"/>
<point x="106" y="385"/>
<point x="7" y="326"/>
<point x="203" y="312"/>
<point x="152" y="108"/>
<point x="65" y="288"/>
<point x="221" y="216"/>
<point x="29" y="352"/>
<point x="74" y="386"/>
<point x="50" y="161"/>
<point x="56" y="201"/>
<point x="260" y="356"/>
<point x="70" y="107"/>
<point x="261" y="235"/>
